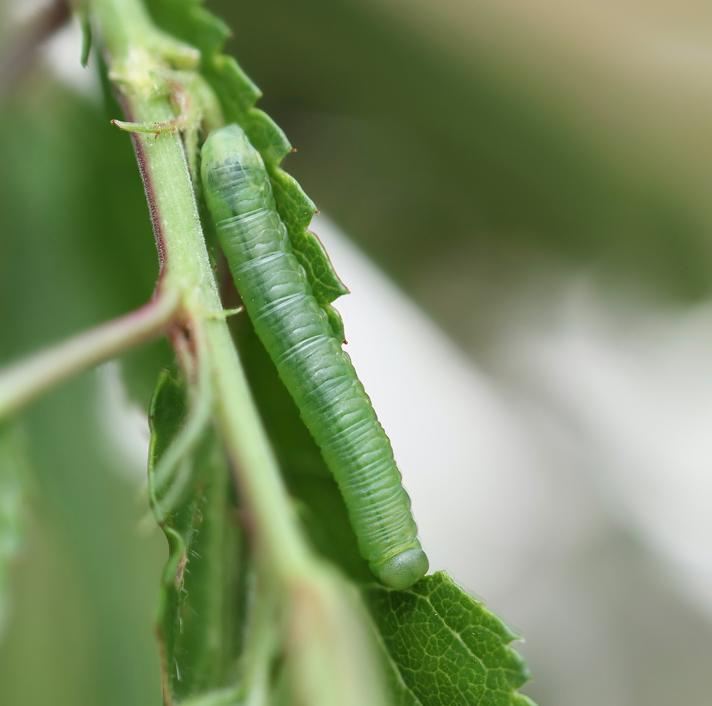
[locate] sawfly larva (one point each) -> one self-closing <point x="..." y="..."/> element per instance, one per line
<point x="316" y="371"/>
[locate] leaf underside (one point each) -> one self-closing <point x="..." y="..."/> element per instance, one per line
<point x="443" y="648"/>
<point x="201" y="588"/>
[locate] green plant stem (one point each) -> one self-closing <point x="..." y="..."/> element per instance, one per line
<point x="21" y="382"/>
<point x="328" y="651"/>
<point x="138" y="57"/>
<point x="262" y="644"/>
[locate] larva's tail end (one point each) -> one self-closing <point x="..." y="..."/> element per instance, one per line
<point x="403" y="570"/>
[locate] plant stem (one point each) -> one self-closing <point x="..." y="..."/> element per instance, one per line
<point x="23" y="381"/>
<point x="328" y="649"/>
<point x="138" y="57"/>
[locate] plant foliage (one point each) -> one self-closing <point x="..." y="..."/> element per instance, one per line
<point x="439" y="646"/>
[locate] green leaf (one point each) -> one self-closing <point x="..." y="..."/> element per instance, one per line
<point x="443" y="647"/>
<point x="13" y="469"/>
<point x="189" y="21"/>
<point x="199" y="615"/>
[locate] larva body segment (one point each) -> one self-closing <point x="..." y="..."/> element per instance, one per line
<point x="318" y="374"/>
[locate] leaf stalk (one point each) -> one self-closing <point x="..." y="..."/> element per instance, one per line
<point x="22" y="382"/>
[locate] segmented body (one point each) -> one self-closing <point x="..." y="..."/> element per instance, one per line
<point x="318" y="374"/>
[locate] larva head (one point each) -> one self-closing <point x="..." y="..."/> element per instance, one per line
<point x="402" y="570"/>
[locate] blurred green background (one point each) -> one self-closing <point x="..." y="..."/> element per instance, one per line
<point x="484" y="155"/>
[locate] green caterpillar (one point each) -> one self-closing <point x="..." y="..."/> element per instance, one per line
<point x="319" y="375"/>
